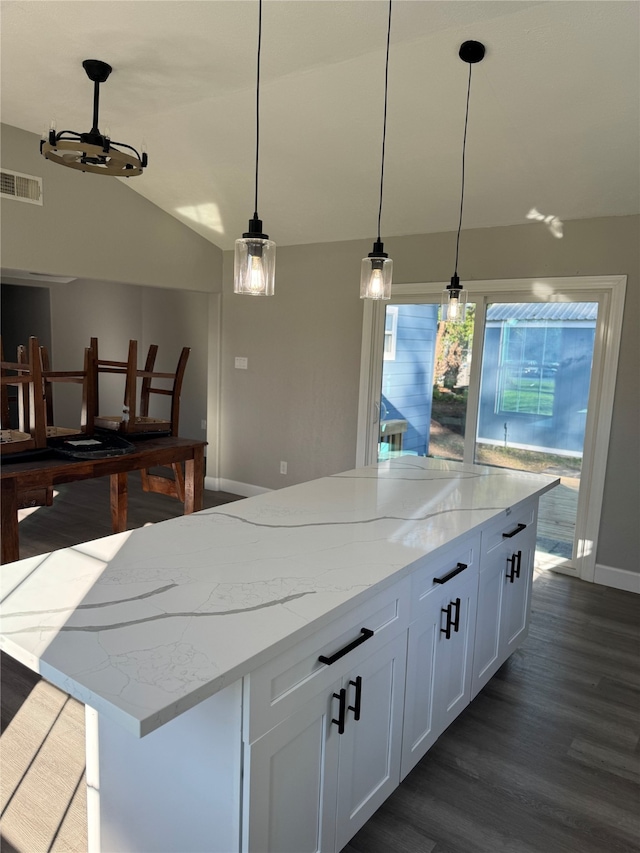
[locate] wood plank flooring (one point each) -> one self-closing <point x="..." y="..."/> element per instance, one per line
<point x="545" y="760"/>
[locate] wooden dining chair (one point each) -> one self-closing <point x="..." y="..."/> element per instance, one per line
<point x="26" y="375"/>
<point x="135" y="419"/>
<point x="50" y="377"/>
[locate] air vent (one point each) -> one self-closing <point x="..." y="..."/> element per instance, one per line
<point x="20" y="187"/>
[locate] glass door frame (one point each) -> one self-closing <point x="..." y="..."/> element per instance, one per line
<point x="608" y="291"/>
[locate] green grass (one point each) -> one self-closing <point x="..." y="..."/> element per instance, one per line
<point x="529" y="396"/>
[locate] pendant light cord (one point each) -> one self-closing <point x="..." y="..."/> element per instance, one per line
<point x="255" y="214"/>
<point x="464" y="148"/>
<point x="384" y="121"/>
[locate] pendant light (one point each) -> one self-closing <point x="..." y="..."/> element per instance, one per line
<point x="255" y="255"/>
<point x="454" y="298"/>
<point x="93" y="151"/>
<point x="377" y="268"/>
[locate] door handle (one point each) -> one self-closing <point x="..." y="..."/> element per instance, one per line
<point x="358" y="700"/>
<point x="456" y="620"/>
<point x="342" y="710"/>
<point x="516" y="565"/>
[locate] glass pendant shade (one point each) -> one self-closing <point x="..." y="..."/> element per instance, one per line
<point x="255" y="266"/>
<point x="454" y="305"/>
<point x="375" y="278"/>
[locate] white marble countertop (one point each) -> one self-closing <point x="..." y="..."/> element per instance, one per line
<point x="145" y="624"/>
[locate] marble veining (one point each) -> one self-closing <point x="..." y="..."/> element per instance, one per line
<point x="145" y="624"/>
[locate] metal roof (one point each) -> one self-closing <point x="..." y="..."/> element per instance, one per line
<point x="542" y="311"/>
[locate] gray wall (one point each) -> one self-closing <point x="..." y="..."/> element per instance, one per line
<point x="92" y="226"/>
<point x="140" y="274"/>
<point x="298" y="399"/>
<point x="116" y="313"/>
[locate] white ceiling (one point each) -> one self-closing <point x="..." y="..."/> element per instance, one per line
<point x="554" y="118"/>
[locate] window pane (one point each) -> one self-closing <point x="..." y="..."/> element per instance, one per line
<point x="534" y="391"/>
<point x="424" y="383"/>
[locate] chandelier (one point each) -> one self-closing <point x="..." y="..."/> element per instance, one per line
<point x="93" y="151"/>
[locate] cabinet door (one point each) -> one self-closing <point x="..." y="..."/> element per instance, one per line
<point x="516" y="609"/>
<point x="419" y="730"/>
<point x="290" y="782"/>
<point x="370" y="748"/>
<point x="454" y="651"/>
<point x="439" y="666"/>
<point x="504" y="591"/>
<point x="486" y="656"/>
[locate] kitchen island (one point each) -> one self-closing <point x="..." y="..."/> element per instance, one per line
<point x="260" y="676"/>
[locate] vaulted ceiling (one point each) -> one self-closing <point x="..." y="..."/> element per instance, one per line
<point x="553" y="125"/>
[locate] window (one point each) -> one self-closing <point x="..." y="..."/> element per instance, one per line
<point x="390" y="332"/>
<point x="529" y="360"/>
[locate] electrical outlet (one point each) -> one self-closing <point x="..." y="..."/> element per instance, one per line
<point x="242" y="363"/>
<point x="283" y="467"/>
<point x="203" y="424"/>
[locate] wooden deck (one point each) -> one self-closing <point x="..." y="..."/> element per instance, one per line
<point x="557" y="518"/>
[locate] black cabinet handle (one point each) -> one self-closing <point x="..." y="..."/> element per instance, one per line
<point x="452" y="621"/>
<point x="456" y="620"/>
<point x="356" y="708"/>
<point x="514" y="532"/>
<point x="516" y="563"/>
<point x="459" y="568"/>
<point x="366" y="633"/>
<point x="447" y="629"/>
<point x="342" y="711"/>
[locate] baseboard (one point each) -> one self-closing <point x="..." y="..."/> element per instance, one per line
<point x="617" y="578"/>
<point x="221" y="484"/>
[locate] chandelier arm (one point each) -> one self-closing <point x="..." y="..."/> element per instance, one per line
<point x="384" y="120"/>
<point x="464" y="148"/>
<point x="113" y="144"/>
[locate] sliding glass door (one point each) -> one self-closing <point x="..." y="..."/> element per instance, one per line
<point x="518" y="385"/>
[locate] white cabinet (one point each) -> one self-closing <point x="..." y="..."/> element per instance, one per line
<point x="313" y="780"/>
<point x="370" y="748"/>
<point x="440" y="651"/>
<point x="504" y="590"/>
<point x="290" y="782"/>
<point x="310" y="743"/>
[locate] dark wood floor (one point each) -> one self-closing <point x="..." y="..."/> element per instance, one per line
<point x="545" y="760"/>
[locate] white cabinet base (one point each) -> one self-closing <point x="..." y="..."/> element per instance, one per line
<point x="176" y="789"/>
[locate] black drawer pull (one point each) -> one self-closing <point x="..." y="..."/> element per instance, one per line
<point x="459" y="568"/>
<point x="342" y="711"/>
<point x="366" y="633"/>
<point x="514" y="532"/>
